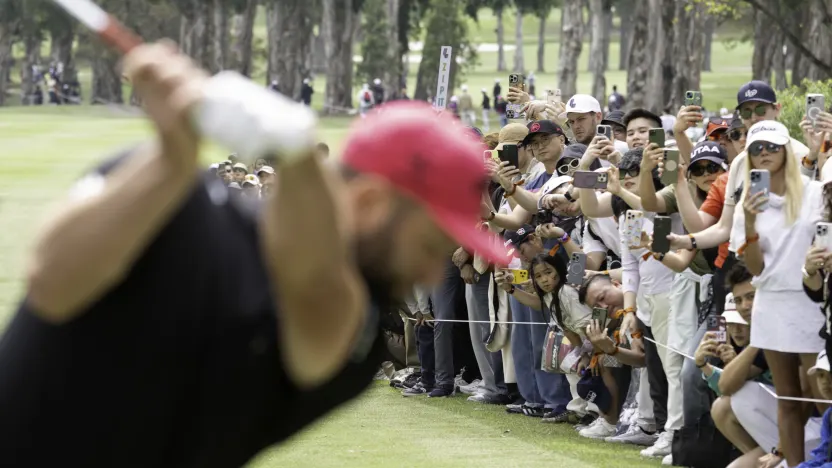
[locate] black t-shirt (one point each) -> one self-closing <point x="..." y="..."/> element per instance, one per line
<point x="178" y="365"/>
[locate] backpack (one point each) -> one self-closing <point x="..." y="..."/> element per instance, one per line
<point x="367" y="97"/>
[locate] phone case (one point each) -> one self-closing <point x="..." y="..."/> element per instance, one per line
<point x="631" y="228"/>
<point x="585" y="179"/>
<point x="670" y="172"/>
<point x="823" y="236"/>
<point x="600" y="314"/>
<point x="656" y="136"/>
<point x="661" y="228"/>
<point x="509" y="155"/>
<point x="604" y="130"/>
<point x="520" y="276"/>
<point x="718" y="326"/>
<point x="693" y="98"/>
<point x="601" y="181"/>
<point x="516" y="80"/>
<point x="815" y="103"/>
<point x="760" y="182"/>
<point x="575" y="270"/>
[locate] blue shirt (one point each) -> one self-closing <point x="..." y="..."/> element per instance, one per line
<point x="819" y="458"/>
<point x="538" y="182"/>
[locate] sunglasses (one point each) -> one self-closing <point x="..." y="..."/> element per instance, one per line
<point x="755" y="149"/>
<point x="760" y="110"/>
<point x="698" y="170"/>
<point x="568" y="167"/>
<point x="632" y="172"/>
<point x="737" y="134"/>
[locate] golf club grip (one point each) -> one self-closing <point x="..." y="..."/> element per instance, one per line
<point x="119" y="37"/>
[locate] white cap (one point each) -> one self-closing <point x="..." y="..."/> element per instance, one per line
<point x="464" y="87"/>
<point x="731" y="315"/>
<point x="770" y="131"/>
<point x="377" y="81"/>
<point x="484" y="90"/>
<point x="251" y="179"/>
<point x="266" y="169"/>
<point x="821" y="364"/>
<point x="496" y="80"/>
<point x="214" y="166"/>
<point x="581" y="104"/>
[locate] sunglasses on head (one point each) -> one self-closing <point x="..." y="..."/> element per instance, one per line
<point x="632" y="172"/>
<point x="710" y="167"/>
<point x="566" y="167"/>
<point x="760" y="110"/>
<point x="737" y="134"/>
<point x="756" y="148"/>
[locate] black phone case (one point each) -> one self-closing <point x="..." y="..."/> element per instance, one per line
<point x="509" y="155"/>
<point x="661" y="228"/>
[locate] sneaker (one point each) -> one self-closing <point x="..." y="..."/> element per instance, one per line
<point x="440" y="392"/>
<point x="600" y="429"/>
<point x="634" y="435"/>
<point x="662" y="447"/>
<point x="417" y="390"/>
<point x="534" y="411"/>
<point x="586" y="420"/>
<point x="412" y="380"/>
<point x="471" y="389"/>
<point x="515" y="408"/>
<point x="489" y="398"/>
<point x="668" y="460"/>
<point x="565" y="416"/>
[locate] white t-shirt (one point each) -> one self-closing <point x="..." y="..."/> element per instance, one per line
<point x="784" y="247"/>
<point x="643" y="276"/>
<point x="606" y="230"/>
<point x="576" y="316"/>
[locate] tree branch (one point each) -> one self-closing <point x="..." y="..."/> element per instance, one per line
<point x="792" y="37"/>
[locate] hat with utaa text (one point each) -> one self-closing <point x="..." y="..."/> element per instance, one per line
<point x="431" y="159"/>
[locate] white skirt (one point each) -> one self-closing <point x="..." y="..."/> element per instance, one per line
<point x="786" y="321"/>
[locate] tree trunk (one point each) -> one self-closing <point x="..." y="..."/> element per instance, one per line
<point x="106" y="80"/>
<point x="571" y="41"/>
<point x="661" y="40"/>
<point x="32" y="41"/>
<point x="393" y="74"/>
<point x="626" y="24"/>
<point x="219" y="38"/>
<point x="818" y="38"/>
<point x="501" y="41"/>
<point x="289" y="45"/>
<point x="597" y="62"/>
<point x="639" y="59"/>
<point x="6" y="42"/>
<point x="242" y="34"/>
<point x="780" y="80"/>
<point x="519" y="63"/>
<point x="318" y="56"/>
<point x="761" y="60"/>
<point x="194" y="33"/>
<point x="62" y="39"/>
<point x="710" y="27"/>
<point x="607" y="6"/>
<point x="541" y="44"/>
<point x="336" y="30"/>
<point x="681" y="56"/>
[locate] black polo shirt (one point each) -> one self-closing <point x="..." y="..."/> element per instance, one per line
<point x="178" y="365"/>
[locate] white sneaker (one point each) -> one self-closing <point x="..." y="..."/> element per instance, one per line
<point x="668" y="460"/>
<point x="635" y="435"/>
<point x="600" y="429"/>
<point x="662" y="447"/>
<point x="471" y="389"/>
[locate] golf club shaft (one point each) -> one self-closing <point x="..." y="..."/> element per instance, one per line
<point x="109" y="29"/>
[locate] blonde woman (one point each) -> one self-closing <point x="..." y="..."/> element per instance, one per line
<point x="774" y="241"/>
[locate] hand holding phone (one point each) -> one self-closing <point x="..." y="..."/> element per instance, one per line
<point x="760" y="184"/>
<point x="661" y="229"/>
<point x="605" y="131"/>
<point x="815" y="104"/>
<point x="656" y="135"/>
<point x="519" y="276"/>
<point x="693" y="98"/>
<point x="590" y="180"/>
<point x="718" y="328"/>
<point x="670" y="166"/>
<point x="576" y="269"/>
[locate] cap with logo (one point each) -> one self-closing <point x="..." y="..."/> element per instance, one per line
<point x="543" y="127"/>
<point x="266" y="169"/>
<point x="821" y="364"/>
<point x="708" y="151"/>
<point x="593" y="390"/>
<point x="447" y="177"/>
<point x="241" y="167"/>
<point x="769" y="131"/>
<point x="717" y="123"/>
<point x="517" y="238"/>
<point x="580" y="104"/>
<point x="758" y="91"/>
<point x="251" y="180"/>
<point x="513" y="133"/>
<point x="615" y="117"/>
<point x="731" y="315"/>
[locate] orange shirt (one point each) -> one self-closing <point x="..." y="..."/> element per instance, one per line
<point x="713" y="206"/>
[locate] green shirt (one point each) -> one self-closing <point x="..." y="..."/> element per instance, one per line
<point x="699" y="265"/>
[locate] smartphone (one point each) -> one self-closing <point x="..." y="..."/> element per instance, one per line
<point x="670" y="172"/>
<point x="509" y="155"/>
<point x="590" y="180"/>
<point x="632" y="227"/>
<point x="656" y="136"/>
<point x="576" y="269"/>
<point x="553" y="97"/>
<point x="760" y="182"/>
<point x="661" y="229"/>
<point x="814" y="105"/>
<point x="823" y="236"/>
<point x="516" y="80"/>
<point x="520" y="276"/>
<point x="491" y="154"/>
<point x="693" y="98"/>
<point x="600" y="314"/>
<point x="604" y="130"/>
<point x="718" y="328"/>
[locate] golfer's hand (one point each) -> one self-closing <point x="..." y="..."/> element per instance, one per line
<point x="170" y="85"/>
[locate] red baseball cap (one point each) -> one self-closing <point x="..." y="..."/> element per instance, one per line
<point x="433" y="159"/>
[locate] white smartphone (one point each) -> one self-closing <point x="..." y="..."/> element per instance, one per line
<point x="823" y="236"/>
<point x="815" y="103"/>
<point x="760" y="182"/>
<point x="632" y="227"/>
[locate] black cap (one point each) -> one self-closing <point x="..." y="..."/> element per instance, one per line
<point x="593" y="390"/>
<point x="615" y="117"/>
<point x="545" y="127"/>
<point x="518" y="237"/>
<point x="709" y="151"/>
<point x="758" y="91"/>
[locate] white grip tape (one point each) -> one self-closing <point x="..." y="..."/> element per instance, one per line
<point x="253" y="121"/>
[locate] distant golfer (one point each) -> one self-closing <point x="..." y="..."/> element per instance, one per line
<point x="167" y="324"/>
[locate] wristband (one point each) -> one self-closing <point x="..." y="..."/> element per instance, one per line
<point x="630" y="310"/>
<point x="511" y="291"/>
<point x="614" y="351"/>
<point x="659" y="256"/>
<point x="748" y="241"/>
<point x="702" y="366"/>
<point x="508" y="194"/>
<point x="568" y="196"/>
<point x="491" y="216"/>
<point x="808" y="162"/>
<point x="565" y="238"/>
<point x="692" y="242"/>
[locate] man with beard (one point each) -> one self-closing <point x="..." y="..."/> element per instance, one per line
<point x="143" y="335"/>
<point x="582" y="114"/>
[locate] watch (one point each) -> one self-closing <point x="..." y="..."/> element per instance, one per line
<point x="806" y="274"/>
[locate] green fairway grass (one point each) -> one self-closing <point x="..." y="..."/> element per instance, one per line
<point x="46" y="148"/>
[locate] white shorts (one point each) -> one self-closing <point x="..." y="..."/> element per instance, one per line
<point x="756" y="410"/>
